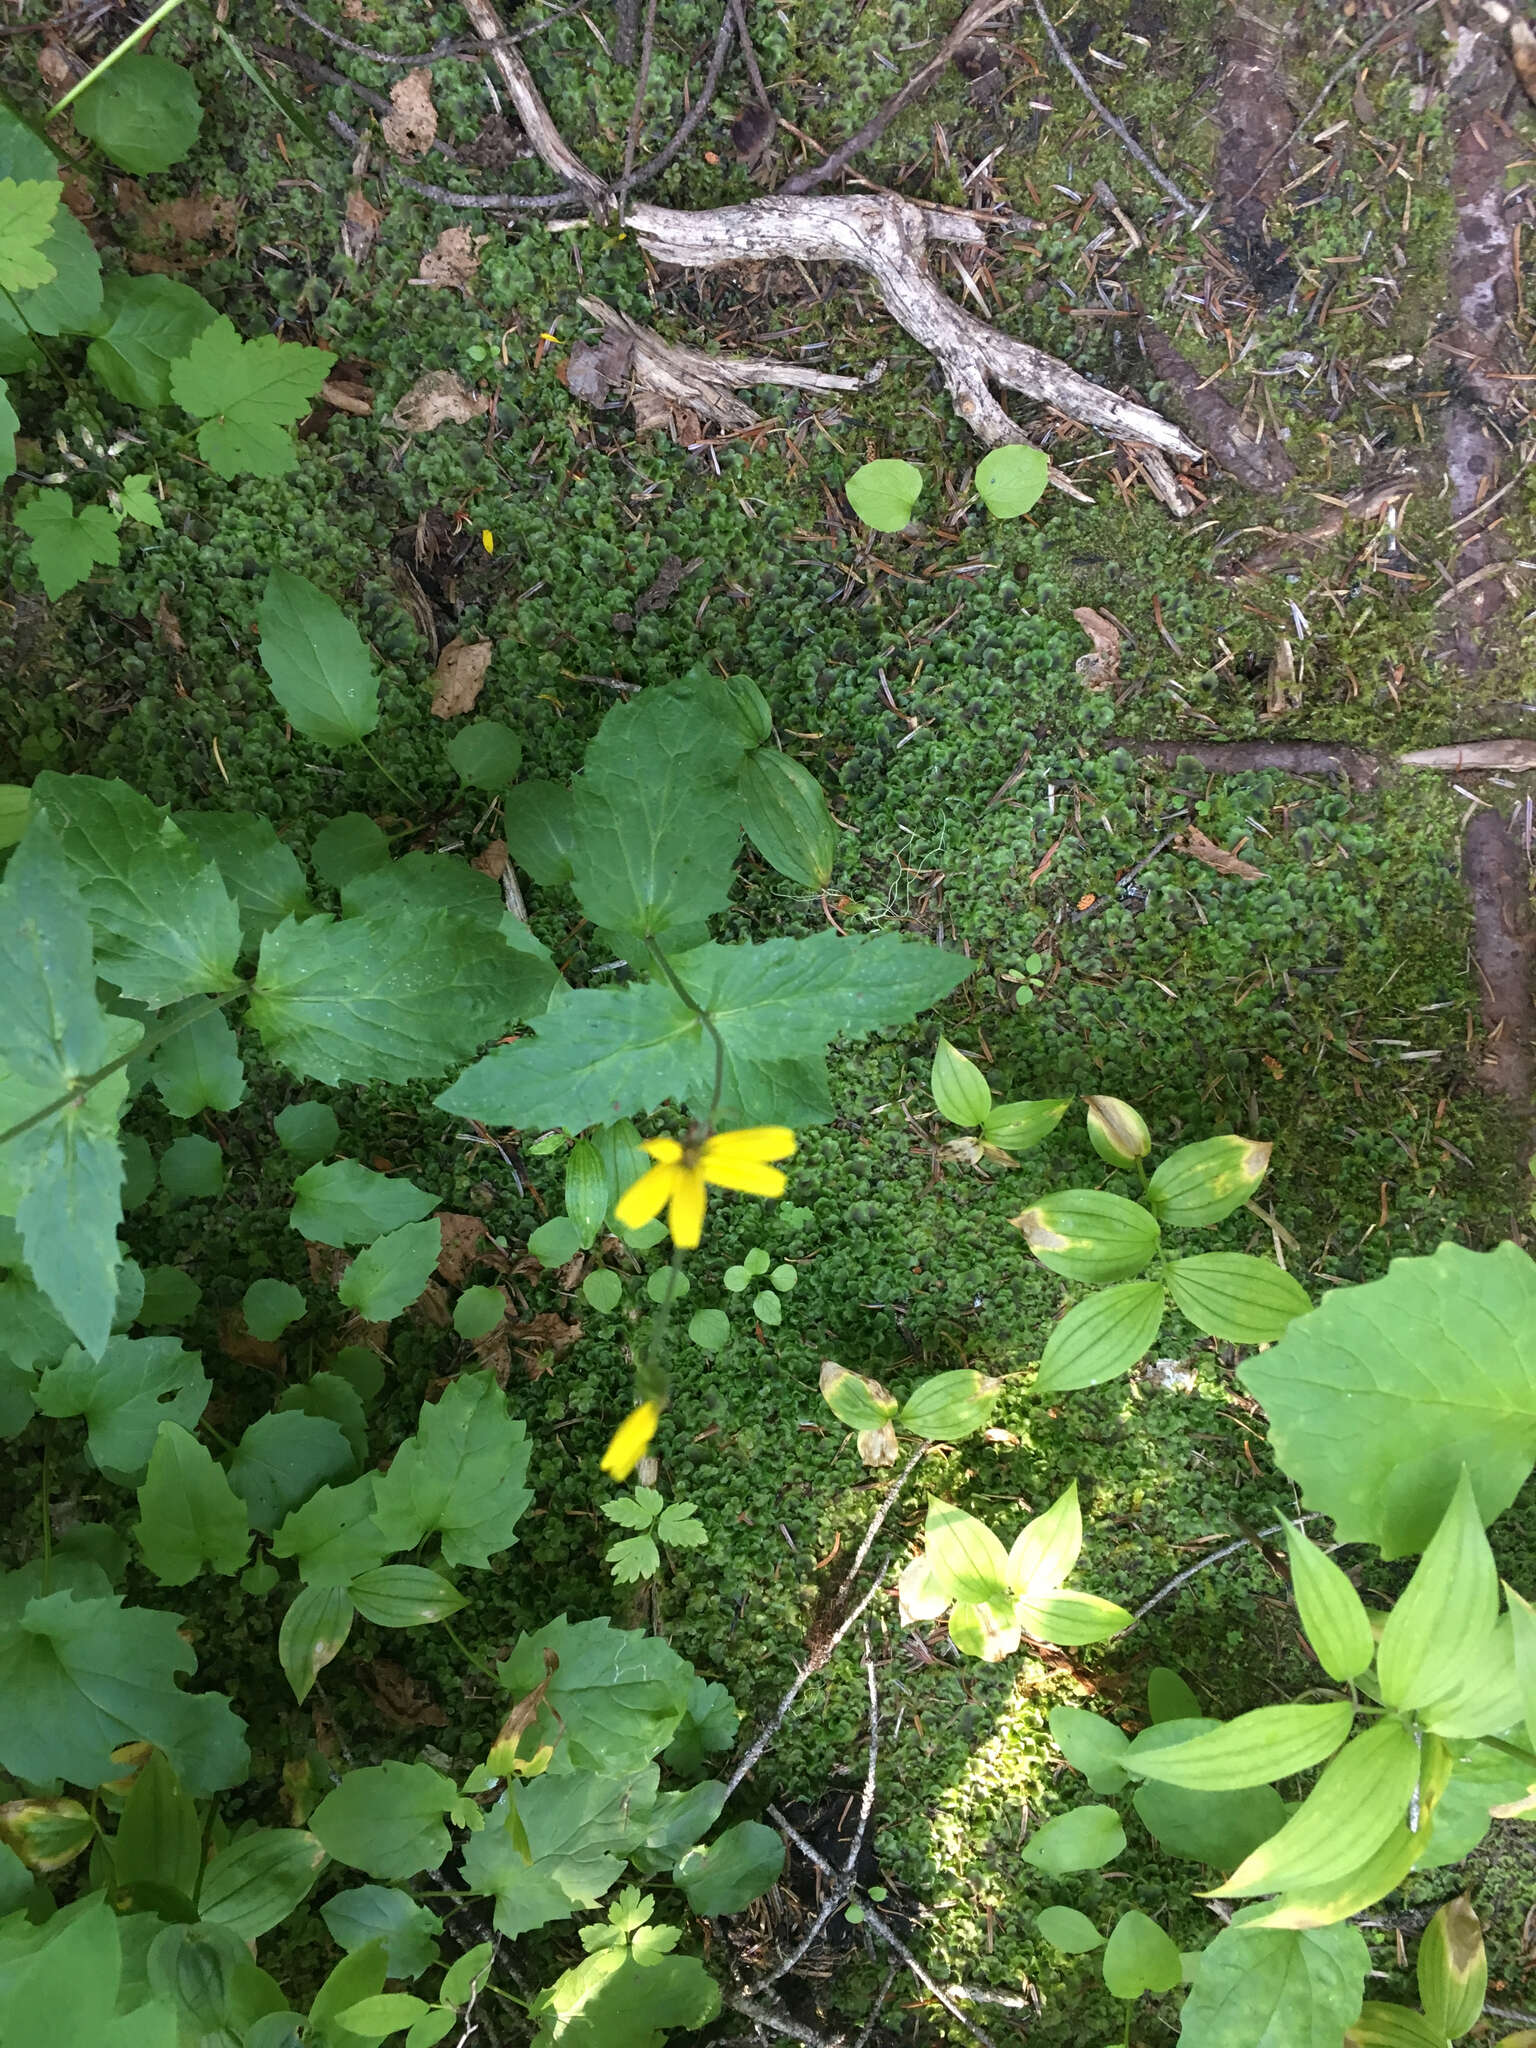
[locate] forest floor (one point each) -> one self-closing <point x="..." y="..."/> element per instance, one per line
<point x="1342" y="321"/>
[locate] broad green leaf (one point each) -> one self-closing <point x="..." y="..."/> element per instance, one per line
<point x="26" y="222"/>
<point x="586" y="1189"/>
<point x="786" y="817"/>
<point x="334" y="1396"/>
<point x="1264" y="1988"/>
<point x="198" y="1067"/>
<point x="478" y="1310"/>
<point x="1202" y="1183"/>
<point x="736" y="1868"/>
<point x="884" y="494"/>
<point x="949" y="1406"/>
<point x="260" y="872"/>
<point x="708" y="1726"/>
<point x="165" y="926"/>
<point x="618" y="1998"/>
<point x="1020" y="1126"/>
<point x="137" y="500"/>
<point x="598" y="1054"/>
<point x="389" y="1274"/>
<point x="432" y="883"/>
<point x="70" y="301"/>
<point x="1444" y="1617"/>
<point x="1085" y="1839"/>
<point x="1219" y="1828"/>
<point x="320" y="671"/>
<point x="1254" y="1749"/>
<point x="656" y="818"/>
<point x="146" y="323"/>
<point x="1381" y="1395"/>
<point x="1086" y="1235"/>
<point x="1327" y="1905"/>
<point x="1091" y="1744"/>
<point x="984" y="1629"/>
<point x="633" y="1558"/>
<point x="1067" y="1930"/>
<point x="333" y="1536"/>
<point x="372" y="1912"/>
<point x="345" y="1203"/>
<point x="1355" y="1805"/>
<point x="192" y="1168"/>
<point x="556" y="1242"/>
<point x="280" y="1461"/>
<point x="961" y="1093"/>
<point x="349" y="846"/>
<point x="386" y="2012"/>
<point x="79" y="1676"/>
<point x="248" y="393"/>
<point x="64" y="1986"/>
<point x="1399" y="2026"/>
<point x="604" y="1290"/>
<point x="384" y="999"/>
<point x="137" y="1384"/>
<point x="964" y="1558"/>
<point x="1235" y="1296"/>
<point x="269" y="1306"/>
<point x="539" y="823"/>
<point x="61" y="1180"/>
<point x="404" y="1595"/>
<point x="388" y="1820"/>
<point x="189" y="1515"/>
<point x="159" y="1838"/>
<point x="1046" y="1550"/>
<point x="1332" y="1613"/>
<point x="1069" y="1618"/>
<point x="254" y="1884"/>
<point x="144" y="113"/>
<point x="856" y="1401"/>
<point x="485" y="754"/>
<point x="1169" y="1697"/>
<point x="461" y="1476"/>
<point x="315" y="1627"/>
<point x="1452" y="1969"/>
<point x="1140" y="1957"/>
<point x="615" y="1699"/>
<point x="1009" y="481"/>
<point x="575" y="1828"/>
<point x="310" y="1131"/>
<point x="358" y="1975"/>
<point x="68" y="544"/>
<point x="677" y="1821"/>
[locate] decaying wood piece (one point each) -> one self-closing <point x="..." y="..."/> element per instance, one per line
<point x="528" y="105"/>
<point x="1477" y="757"/>
<point x="886" y="236"/>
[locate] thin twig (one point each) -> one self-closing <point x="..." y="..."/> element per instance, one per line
<point x="654" y="167"/>
<point x="1211" y="1557"/>
<point x="897" y="1489"/>
<point x="866" y="2032"/>
<point x="466" y="49"/>
<point x="1111" y="121"/>
<point x="781" y="2023"/>
<point x="473" y="202"/>
<point x="975" y="17"/>
<point x="749" y="55"/>
<point x="642" y="80"/>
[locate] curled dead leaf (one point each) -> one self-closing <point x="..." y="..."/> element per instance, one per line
<point x="343" y="396"/>
<point x="360" y="226"/>
<point x="440" y="398"/>
<point x="1198" y="847"/>
<point x="492" y="860"/>
<point x="460" y="676"/>
<point x="1102" y="667"/>
<point x="1522" y="51"/>
<point x="410" y="126"/>
<point x="453" y="260"/>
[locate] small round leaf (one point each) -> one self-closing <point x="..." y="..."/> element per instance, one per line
<point x="477" y="1311"/>
<point x="1010" y="480"/>
<point x="603" y="1291"/>
<point x="884" y="494"/>
<point x="710" y="1328"/>
<point x="144" y="113"/>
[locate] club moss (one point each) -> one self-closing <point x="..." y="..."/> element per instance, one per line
<point x="930" y="680"/>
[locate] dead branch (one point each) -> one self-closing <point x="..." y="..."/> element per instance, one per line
<point x="548" y="143"/>
<point x="1240" y="757"/>
<point x="778" y="2021"/>
<point x="1112" y="122"/>
<point x="975" y="17"/>
<point x="886" y="236"/>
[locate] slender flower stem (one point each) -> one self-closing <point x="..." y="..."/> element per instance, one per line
<point x="704" y="1018"/>
<point x="47" y="1489"/>
<point x="392" y="779"/>
<point x="486" y="1670"/>
<point x="135" y="36"/>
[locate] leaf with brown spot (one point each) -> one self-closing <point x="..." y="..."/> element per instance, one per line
<point x="1102" y="667"/>
<point x="410" y="127"/>
<point x="1198" y="847"/>
<point x="439" y="398"/>
<point x="504" y="1759"/>
<point x="453" y="260"/>
<point x="402" y="1699"/>
<point x="460" y="676"/>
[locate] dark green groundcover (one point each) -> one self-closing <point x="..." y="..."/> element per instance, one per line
<point x="931" y="682"/>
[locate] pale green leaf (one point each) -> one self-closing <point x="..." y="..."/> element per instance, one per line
<point x="632" y="1559"/>
<point x="1443" y="1619"/>
<point x="1009" y="481"/>
<point x="615" y="1699"/>
<point x="576" y="1829"/>
<point x="248" y="393"/>
<point x="1236" y="1297"/>
<point x="345" y="1203"/>
<point x="1091" y="1744"/>
<point x="1067" y="1930"/>
<point x="387" y="1820"/>
<point x="1046" y="1550"/>
<point x="1332" y="1613"/>
<point x="961" y="1092"/>
<point x="1069" y="1619"/>
<point x="615" y="2000"/>
<point x="144" y="113"/>
<point x="137" y="500"/>
<point x="1140" y="1957"/>
<point x="964" y="1558"/>
<point x="1084" y="1234"/>
<point x="1260" y="1987"/>
<point x="1102" y="1337"/>
<point x="1085" y="1839"/>
<point x="137" y="1384"/>
<point x="1376" y="1430"/>
<point x="26" y="222"/>
<point x="147" y="323"/>
<point x="68" y="544"/>
<point x="1256" y="1748"/>
<point x="389" y="1274"/>
<point x="1200" y="1184"/>
<point x="386" y="2012"/>
<point x="884" y="493"/>
<point x="314" y="1630"/>
<point x="320" y="671"/>
<point x="189" y="1515"/>
<point x="199" y="1067"/>
<point x="1355" y="1805"/>
<point x="253" y="1885"/>
<point x="460" y="1476"/>
<point x="1452" y="1968"/>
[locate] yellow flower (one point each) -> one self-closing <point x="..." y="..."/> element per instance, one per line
<point x="631" y="1440"/>
<point x="487" y="539"/>
<point x="676" y="1183"/>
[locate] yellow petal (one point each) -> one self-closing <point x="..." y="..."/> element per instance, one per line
<point x="766" y="1141"/>
<point x="746" y="1176"/>
<point x="631" y="1440"/>
<point x="644" y="1202"/>
<point x="665" y="1151"/>
<point x="685" y="1218"/>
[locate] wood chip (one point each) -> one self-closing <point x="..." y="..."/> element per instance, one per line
<point x="1518" y="755"/>
<point x="452" y="261"/>
<point x="345" y="397"/>
<point x="410" y="127"/>
<point x="460" y="676"/>
<point x="441" y="397"/>
<point x="1198" y="847"/>
<point x="1101" y="668"/>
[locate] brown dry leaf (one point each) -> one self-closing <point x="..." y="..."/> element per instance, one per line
<point x="55" y="69"/>
<point x="431" y="1306"/>
<point x="543" y="1333"/>
<point x="236" y="1342"/>
<point x="410" y="127"/>
<point x="402" y="1700"/>
<point x="592" y="373"/>
<point x="492" y="860"/>
<point x="494" y="1355"/>
<point x="345" y="396"/>
<point x="79" y="197"/>
<point x="1283" y="693"/>
<point x="461" y="1247"/>
<point x="169" y="625"/>
<point x="355" y="10"/>
<point x="327" y="1263"/>
<point x="1522" y="51"/>
<point x="360" y="228"/>
<point x="460" y="676"/>
<point x="440" y="397"/>
<point x="210" y="224"/>
<point x="1101" y="668"/>
<point x="452" y="261"/>
<point x="1198" y="847"/>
